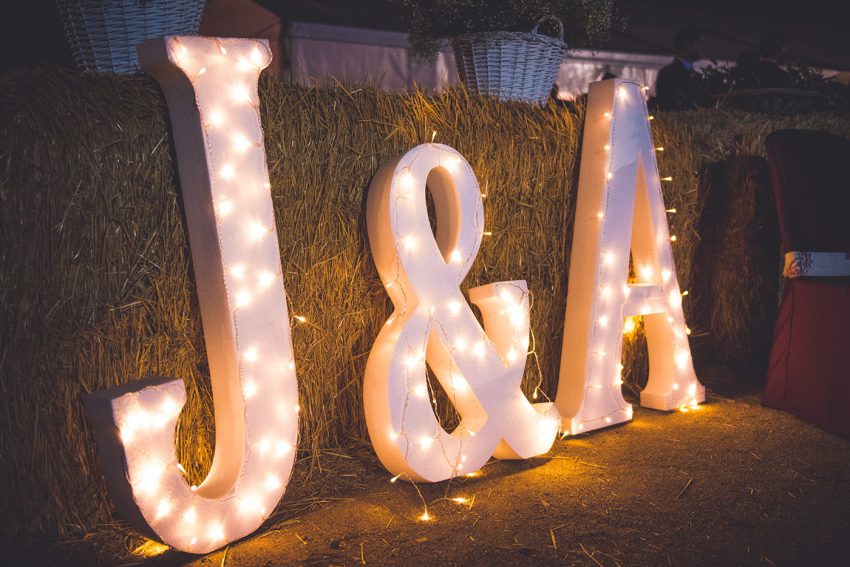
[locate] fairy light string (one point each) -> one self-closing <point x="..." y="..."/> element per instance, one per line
<point x="432" y="319"/>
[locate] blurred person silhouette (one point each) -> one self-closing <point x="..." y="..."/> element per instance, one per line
<point x="676" y="87"/>
<point x="764" y="71"/>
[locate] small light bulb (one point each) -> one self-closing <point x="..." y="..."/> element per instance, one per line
<point x="240" y="143"/>
<point x="243" y="65"/>
<point x="215" y="118"/>
<point x="224" y="208"/>
<point x="256" y="231"/>
<point x="243" y="299"/>
<point x="479" y="349"/>
<point x="257" y="57"/>
<point x="227" y="172"/>
<point x="163" y="508"/>
<point x="272" y="482"/>
<point x="240" y="94"/>
<point x="265" y="279"/>
<point x="451" y="164"/>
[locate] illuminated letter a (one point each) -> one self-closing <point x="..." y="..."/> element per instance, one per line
<point x="620" y="209"/>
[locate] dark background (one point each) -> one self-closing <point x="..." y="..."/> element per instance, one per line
<point x="817" y="30"/>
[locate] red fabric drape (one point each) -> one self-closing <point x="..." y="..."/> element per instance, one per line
<point x="809" y="371"/>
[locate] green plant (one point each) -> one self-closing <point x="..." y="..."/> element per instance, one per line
<point x="717" y="80"/>
<point x="587" y="23"/>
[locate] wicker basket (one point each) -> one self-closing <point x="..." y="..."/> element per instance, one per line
<point x="510" y="65"/>
<point x="103" y="34"/>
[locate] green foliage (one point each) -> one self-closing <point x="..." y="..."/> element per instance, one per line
<point x="718" y="80"/>
<point x="587" y="23"/>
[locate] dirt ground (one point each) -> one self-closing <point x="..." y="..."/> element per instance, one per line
<point x="732" y="483"/>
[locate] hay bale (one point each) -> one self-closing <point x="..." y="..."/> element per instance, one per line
<point x="96" y="287"/>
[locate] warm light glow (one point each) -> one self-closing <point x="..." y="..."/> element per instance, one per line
<point x="227" y="172"/>
<point x="150" y="548"/>
<point x="240" y="94"/>
<point x="163" y="508"/>
<point x="257" y="231"/>
<point x="241" y="143"/>
<point x="215" y="118"/>
<point x="627" y="233"/>
<point x="224" y="208"/>
<point x="482" y="368"/>
<point x="233" y="269"/>
<point x="265" y="279"/>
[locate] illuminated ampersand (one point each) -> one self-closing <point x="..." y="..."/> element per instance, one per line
<point x="621" y="208"/>
<point x="210" y="87"/>
<point x="480" y="369"/>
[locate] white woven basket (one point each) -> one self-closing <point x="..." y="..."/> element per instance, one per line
<point x="103" y="34"/>
<point x="510" y="65"/>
